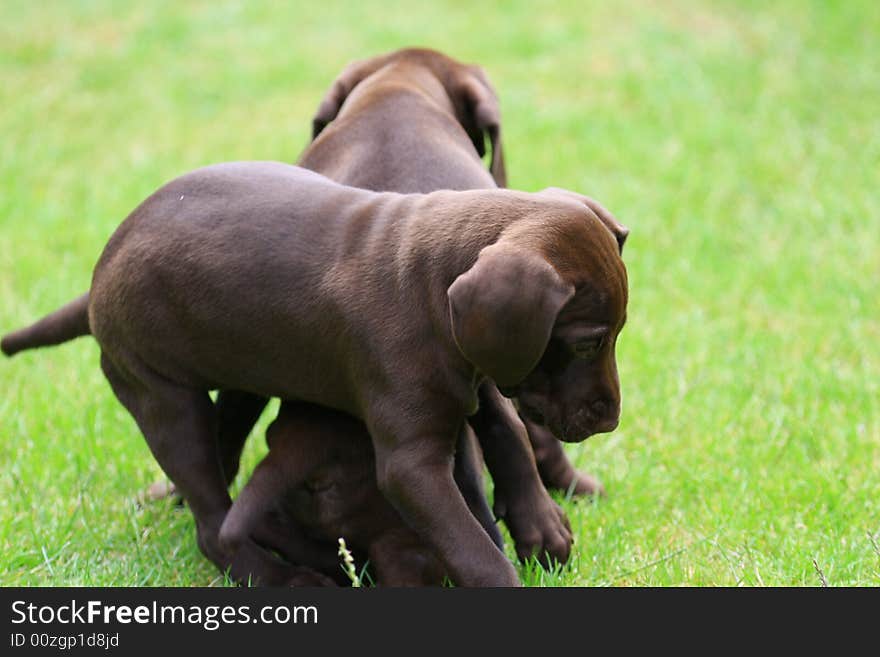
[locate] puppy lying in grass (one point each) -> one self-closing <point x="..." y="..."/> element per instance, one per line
<point x="318" y="484"/>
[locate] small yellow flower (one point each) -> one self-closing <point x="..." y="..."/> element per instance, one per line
<point x="348" y="563"/>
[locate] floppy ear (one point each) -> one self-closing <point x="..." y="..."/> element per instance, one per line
<point x="477" y="106"/>
<point x="617" y="229"/>
<point x="342" y="86"/>
<point x="503" y="309"/>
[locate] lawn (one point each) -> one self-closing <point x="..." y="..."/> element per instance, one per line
<point x="739" y="141"/>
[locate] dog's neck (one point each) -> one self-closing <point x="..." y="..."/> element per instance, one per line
<point x="449" y="229"/>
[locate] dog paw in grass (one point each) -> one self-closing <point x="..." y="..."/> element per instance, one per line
<point x="158" y="491"/>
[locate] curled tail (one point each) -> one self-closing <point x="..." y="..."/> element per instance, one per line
<point x="68" y="322"/>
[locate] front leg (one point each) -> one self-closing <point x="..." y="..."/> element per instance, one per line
<point x="555" y="469"/>
<point x="414" y="462"/>
<point x="537" y="524"/>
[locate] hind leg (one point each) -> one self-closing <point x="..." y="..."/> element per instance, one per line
<point x="180" y="426"/>
<point x="237" y="413"/>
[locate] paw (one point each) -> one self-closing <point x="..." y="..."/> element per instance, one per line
<point x="160" y="490"/>
<point x="538" y="526"/>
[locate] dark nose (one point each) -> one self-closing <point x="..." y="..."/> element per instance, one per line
<point x="605" y="415"/>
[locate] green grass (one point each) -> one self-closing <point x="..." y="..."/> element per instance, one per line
<point x="738" y="140"/>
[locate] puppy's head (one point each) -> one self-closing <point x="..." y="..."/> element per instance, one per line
<point x="474" y="100"/>
<point x="540" y="311"/>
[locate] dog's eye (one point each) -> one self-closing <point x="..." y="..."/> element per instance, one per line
<point x="587" y="349"/>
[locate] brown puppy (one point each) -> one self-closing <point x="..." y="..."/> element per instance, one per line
<point x="319" y="478"/>
<point x="270" y="279"/>
<point x="410" y="121"/>
<point x="414" y="121"/>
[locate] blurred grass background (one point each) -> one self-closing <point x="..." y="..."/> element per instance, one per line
<point x="739" y="141"/>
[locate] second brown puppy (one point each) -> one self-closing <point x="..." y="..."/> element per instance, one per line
<point x="318" y="482"/>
